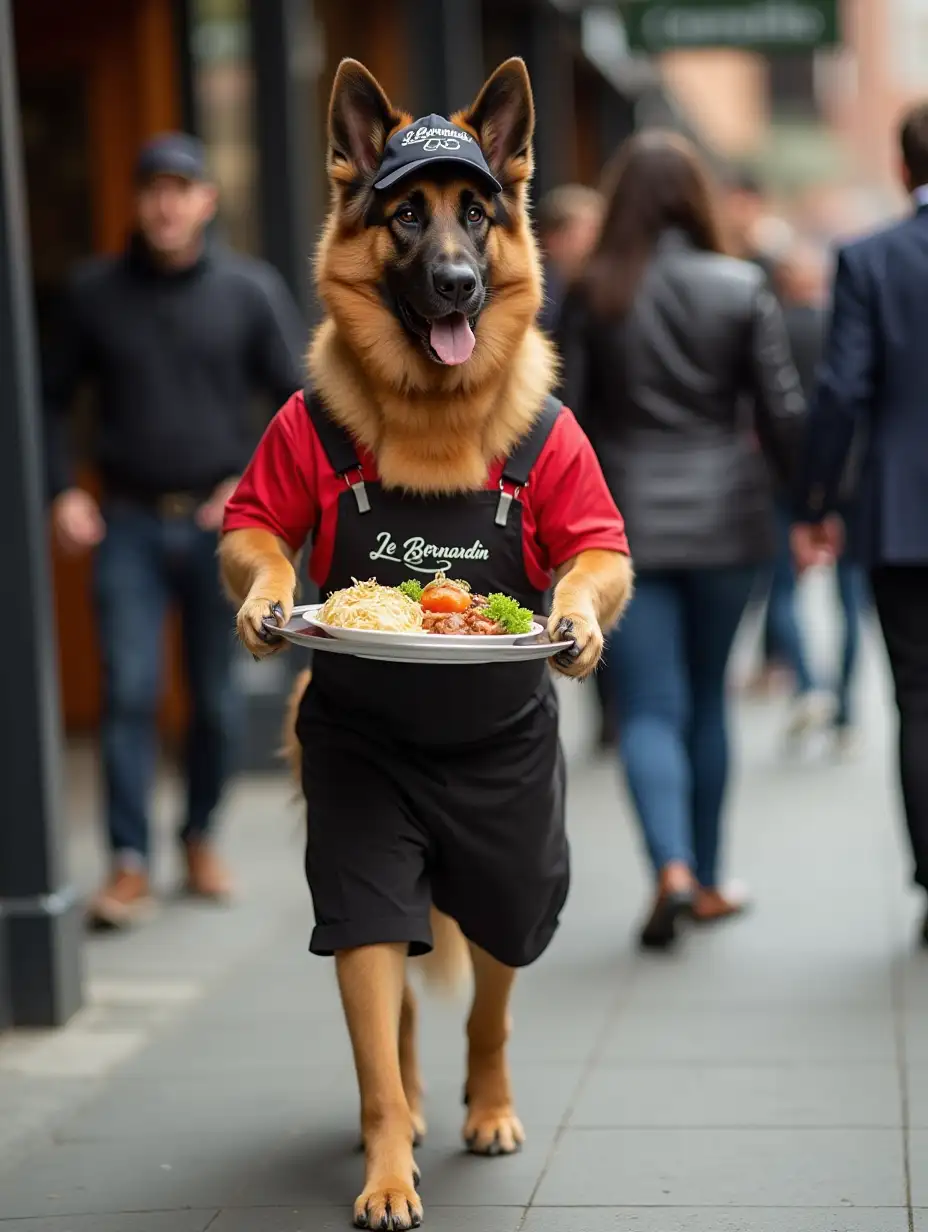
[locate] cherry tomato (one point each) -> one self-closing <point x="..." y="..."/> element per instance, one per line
<point x="445" y="597"/>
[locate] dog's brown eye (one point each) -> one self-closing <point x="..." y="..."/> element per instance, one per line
<point x="476" y="213"/>
<point x="406" y="215"/>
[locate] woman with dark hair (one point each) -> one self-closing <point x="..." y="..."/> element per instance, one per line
<point x="677" y="363"/>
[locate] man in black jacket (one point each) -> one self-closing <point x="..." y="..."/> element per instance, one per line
<point x="176" y="334"/>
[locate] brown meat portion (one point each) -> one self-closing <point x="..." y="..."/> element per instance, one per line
<point x="462" y="624"/>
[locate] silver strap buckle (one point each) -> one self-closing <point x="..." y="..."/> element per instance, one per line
<point x="359" y="491"/>
<point x="505" y="504"/>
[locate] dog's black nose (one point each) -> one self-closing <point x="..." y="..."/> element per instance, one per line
<point x="455" y="283"/>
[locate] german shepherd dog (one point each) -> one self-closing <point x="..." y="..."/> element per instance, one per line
<point x="433" y="427"/>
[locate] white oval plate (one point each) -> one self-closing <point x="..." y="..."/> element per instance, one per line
<point x="426" y="650"/>
<point x="374" y="638"/>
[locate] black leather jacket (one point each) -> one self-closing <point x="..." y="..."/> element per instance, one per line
<point x="690" y="401"/>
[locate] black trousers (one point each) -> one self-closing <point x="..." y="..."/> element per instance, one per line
<point x="900" y="593"/>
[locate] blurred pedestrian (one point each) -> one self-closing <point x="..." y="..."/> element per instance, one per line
<point x="568" y="219"/>
<point x="744" y="206"/>
<point x="871" y="396"/>
<point x="176" y="334"/>
<point x="800" y="279"/>
<point x="669" y="343"/>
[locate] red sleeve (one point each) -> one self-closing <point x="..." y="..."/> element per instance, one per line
<point x="278" y="491"/>
<point x="572" y="506"/>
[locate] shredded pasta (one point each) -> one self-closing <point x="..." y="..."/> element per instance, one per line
<point x="368" y="605"/>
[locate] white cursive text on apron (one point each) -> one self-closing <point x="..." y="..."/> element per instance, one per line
<point x="424" y="557"/>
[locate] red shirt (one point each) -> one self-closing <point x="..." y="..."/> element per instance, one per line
<point x="290" y="489"/>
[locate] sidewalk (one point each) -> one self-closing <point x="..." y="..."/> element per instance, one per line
<point x="772" y="1077"/>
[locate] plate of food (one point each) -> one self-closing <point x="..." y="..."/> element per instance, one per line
<point x="441" y="622"/>
<point x="403" y="615"/>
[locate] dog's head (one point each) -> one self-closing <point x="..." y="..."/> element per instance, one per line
<point x="428" y="263"/>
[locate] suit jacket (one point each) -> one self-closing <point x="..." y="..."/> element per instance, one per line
<point x="872" y="393"/>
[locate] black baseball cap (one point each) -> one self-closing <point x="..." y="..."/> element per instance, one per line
<point x="171" y="154"/>
<point x="429" y="142"/>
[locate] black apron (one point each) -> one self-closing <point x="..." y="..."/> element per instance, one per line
<point x="433" y="785"/>
<point x="393" y="536"/>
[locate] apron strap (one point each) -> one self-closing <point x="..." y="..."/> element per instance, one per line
<point x="338" y="448"/>
<point x="518" y="465"/>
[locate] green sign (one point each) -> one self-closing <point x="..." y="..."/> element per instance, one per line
<point x="753" y="25"/>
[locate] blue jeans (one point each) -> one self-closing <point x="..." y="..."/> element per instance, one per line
<point x="667" y="662"/>
<point x="145" y="564"/>
<point x="783" y="639"/>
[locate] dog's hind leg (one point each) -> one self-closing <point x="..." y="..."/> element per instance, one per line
<point x="409" y="1061"/>
<point x="371" y="980"/>
<point x="492" y="1127"/>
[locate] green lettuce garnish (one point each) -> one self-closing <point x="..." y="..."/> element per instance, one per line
<point x="411" y="589"/>
<point x="507" y="612"/>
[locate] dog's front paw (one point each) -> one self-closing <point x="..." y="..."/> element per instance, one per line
<point x="388" y="1204"/>
<point x="493" y="1131"/>
<point x="250" y="623"/>
<point x="581" y="659"/>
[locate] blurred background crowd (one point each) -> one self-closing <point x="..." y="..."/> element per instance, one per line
<point x="789" y="145"/>
<point x="803" y="138"/>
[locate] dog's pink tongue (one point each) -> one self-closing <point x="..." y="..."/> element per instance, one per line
<point x="452" y="339"/>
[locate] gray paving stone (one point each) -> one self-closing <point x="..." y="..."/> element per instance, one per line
<point x="917" y="1078"/>
<point x="916" y="1036"/>
<point x="725" y="1167"/>
<point x="152" y="1221"/>
<point x="860" y="1096"/>
<point x="746" y="973"/>
<point x="760" y="1035"/>
<point x="918" y="1166"/>
<point x="229" y="1046"/>
<point x="131" y="1174"/>
<point x="695" y="1219"/>
<point x="921" y="1220"/>
<point x="271" y="1100"/>
<point x="32" y="1106"/>
<point x="315" y="1219"/>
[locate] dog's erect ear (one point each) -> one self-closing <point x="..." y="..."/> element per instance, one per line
<point x="503" y="117"/>
<point x="360" y="120"/>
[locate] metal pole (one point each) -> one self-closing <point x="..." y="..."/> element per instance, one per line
<point x="446" y="44"/>
<point x="286" y="57"/>
<point x="40" y="926"/>
<point x="183" y="33"/>
<point x="550" y="63"/>
<point x="287" y="60"/>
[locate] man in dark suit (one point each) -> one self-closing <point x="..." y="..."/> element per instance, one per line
<point x="873" y="394"/>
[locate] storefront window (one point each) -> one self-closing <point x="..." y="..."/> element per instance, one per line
<point x="224" y="86"/>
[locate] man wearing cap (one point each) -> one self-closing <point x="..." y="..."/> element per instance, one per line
<point x="176" y="334"/>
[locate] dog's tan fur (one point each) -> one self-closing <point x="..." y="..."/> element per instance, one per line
<point x="431" y="428"/>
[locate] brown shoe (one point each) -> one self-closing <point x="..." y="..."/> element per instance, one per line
<point x="207" y="876"/>
<point x="712" y="905"/>
<point x="123" y="901"/>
